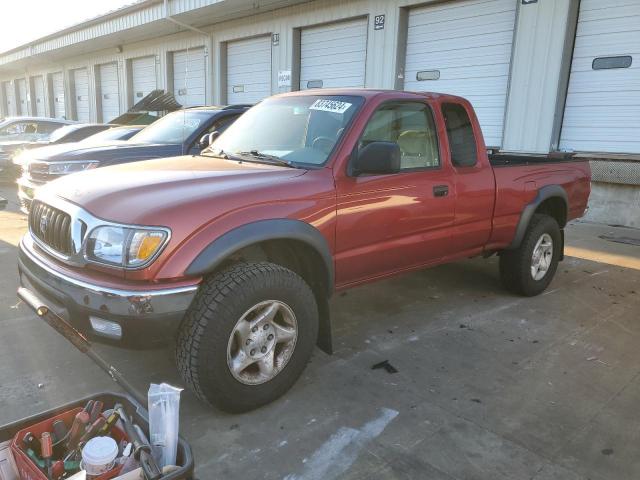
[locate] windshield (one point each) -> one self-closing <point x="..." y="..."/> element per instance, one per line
<point x="300" y="129"/>
<point x="112" y="134"/>
<point x="173" y="128"/>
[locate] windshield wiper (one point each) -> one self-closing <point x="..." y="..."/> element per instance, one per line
<point x="265" y="158"/>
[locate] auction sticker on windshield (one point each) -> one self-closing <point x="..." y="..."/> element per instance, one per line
<point x="333" y="106"/>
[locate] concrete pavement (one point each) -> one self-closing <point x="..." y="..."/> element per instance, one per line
<point x="489" y="385"/>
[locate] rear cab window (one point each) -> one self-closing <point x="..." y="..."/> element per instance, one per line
<point x="462" y="141"/>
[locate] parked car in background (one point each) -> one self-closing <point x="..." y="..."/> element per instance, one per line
<point x="34" y="170"/>
<point x="181" y="132"/>
<point x="17" y="132"/>
<point x="238" y="250"/>
<point x="76" y="132"/>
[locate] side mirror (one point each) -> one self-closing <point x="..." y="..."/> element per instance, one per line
<point x="207" y="139"/>
<point x="376" y="158"/>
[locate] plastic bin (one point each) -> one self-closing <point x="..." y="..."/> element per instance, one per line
<point x="138" y="415"/>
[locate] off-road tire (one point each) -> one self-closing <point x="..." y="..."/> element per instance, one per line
<point x="515" y="265"/>
<point x="202" y="341"/>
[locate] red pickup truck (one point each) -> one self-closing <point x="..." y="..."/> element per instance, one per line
<point x="235" y="252"/>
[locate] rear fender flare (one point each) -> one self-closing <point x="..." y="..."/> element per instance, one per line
<point x="546" y="192"/>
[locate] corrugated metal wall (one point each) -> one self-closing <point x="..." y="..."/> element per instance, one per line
<point x="537" y="78"/>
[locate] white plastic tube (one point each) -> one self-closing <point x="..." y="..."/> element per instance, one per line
<point x="164" y="422"/>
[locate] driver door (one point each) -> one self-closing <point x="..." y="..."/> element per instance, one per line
<point x="389" y="223"/>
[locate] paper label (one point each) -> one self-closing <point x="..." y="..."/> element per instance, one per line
<point x="333" y="106"/>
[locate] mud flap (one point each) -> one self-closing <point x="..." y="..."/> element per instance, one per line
<point x="325" y="339"/>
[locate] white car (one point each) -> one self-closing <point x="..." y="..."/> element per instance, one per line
<point x="16" y="132"/>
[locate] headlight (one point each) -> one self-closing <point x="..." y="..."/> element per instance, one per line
<point x="125" y="247"/>
<point x="64" y="168"/>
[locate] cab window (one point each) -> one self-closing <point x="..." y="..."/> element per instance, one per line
<point x="411" y="126"/>
<point x="462" y="141"/>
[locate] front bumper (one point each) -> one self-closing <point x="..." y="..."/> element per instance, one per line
<point x="145" y="317"/>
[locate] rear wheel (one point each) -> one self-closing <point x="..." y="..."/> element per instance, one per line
<point x="247" y="336"/>
<point x="529" y="269"/>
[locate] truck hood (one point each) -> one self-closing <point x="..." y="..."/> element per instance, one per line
<point x="159" y="192"/>
<point x="116" y="150"/>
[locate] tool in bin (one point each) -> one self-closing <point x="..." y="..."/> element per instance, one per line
<point x="111" y="421"/>
<point x="87" y="408"/>
<point x="30" y="442"/>
<point x="59" y="431"/>
<point x="47" y="452"/>
<point x="141" y="450"/>
<point x="96" y="410"/>
<point x="78" y="428"/>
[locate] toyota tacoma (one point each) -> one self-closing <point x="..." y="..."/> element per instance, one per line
<point x="235" y="252"/>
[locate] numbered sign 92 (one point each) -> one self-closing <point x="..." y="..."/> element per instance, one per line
<point x="378" y="22"/>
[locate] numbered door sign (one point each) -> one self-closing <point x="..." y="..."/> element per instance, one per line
<point x="378" y="22"/>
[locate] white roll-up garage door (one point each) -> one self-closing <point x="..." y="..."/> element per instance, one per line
<point x="248" y="70"/>
<point x="143" y="77"/>
<point x="57" y="89"/>
<point x="81" y="94"/>
<point x="189" y="77"/>
<point x="602" y="110"/>
<point x="464" y="48"/>
<point x="9" y="98"/>
<point x="38" y="89"/>
<point x="333" y="55"/>
<point x="23" y="99"/>
<point x="109" y="92"/>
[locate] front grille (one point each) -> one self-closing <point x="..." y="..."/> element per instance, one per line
<point x="37" y="171"/>
<point x="51" y="226"/>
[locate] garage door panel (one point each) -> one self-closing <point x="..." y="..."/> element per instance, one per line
<point x="607" y="44"/>
<point x="81" y="94"/>
<point x="334" y="54"/>
<point x="595" y="98"/>
<point x="583" y="119"/>
<point x="602" y="108"/>
<point x="469" y="43"/>
<point x="10" y="98"/>
<point x="38" y="87"/>
<point x="461" y="28"/>
<point x="109" y="91"/>
<point x="502" y="40"/>
<point x="189" y="72"/>
<point x="249" y="70"/>
<point x="599" y="10"/>
<point x="477" y="10"/>
<point x="23" y="103"/>
<point x="143" y="77"/>
<point x="491" y="56"/>
<point x="57" y="80"/>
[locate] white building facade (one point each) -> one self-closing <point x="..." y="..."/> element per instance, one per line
<point x="543" y="75"/>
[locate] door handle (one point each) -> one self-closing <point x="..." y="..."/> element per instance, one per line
<point x="440" y="190"/>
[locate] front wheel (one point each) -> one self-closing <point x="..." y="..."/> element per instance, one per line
<point x="247" y="336"/>
<point x="529" y="269"/>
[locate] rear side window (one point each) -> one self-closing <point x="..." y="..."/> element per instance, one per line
<point x="462" y="142"/>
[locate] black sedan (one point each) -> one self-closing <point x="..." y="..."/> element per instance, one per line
<point x="181" y="132"/>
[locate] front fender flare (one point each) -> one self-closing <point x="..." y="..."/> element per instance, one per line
<point x="546" y="192"/>
<point x="276" y="229"/>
